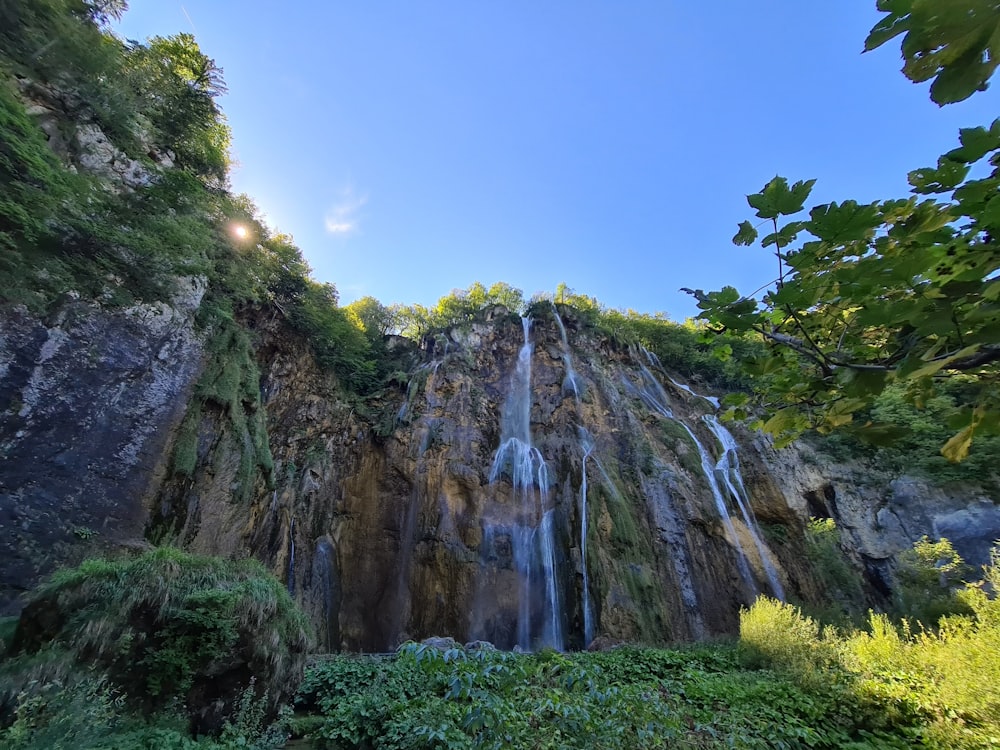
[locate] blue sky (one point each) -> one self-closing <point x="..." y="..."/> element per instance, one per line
<point x="413" y="148"/>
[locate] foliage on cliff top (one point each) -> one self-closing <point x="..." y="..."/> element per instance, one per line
<point x="893" y="291"/>
<point x="168" y="627"/>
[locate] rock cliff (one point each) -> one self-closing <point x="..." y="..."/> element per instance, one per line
<point x="533" y="483"/>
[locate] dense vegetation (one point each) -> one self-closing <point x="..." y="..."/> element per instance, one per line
<point x="788" y="683"/>
<point x="159" y="643"/>
<point x="103" y="648"/>
<point x="92" y="233"/>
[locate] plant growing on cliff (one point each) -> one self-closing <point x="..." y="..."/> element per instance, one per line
<point x="167" y="627"/>
<point x="929" y="575"/>
<point x="893" y="291"/>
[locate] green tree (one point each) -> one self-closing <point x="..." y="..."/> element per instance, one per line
<point x="901" y="290"/>
<point x="374" y="318"/>
<point x="179" y="84"/>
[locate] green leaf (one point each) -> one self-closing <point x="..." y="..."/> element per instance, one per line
<point x="838" y="223"/>
<point x="888" y="28"/>
<point x="933" y="367"/>
<point x="785" y="236"/>
<point x="723" y="353"/>
<point x="976" y="143"/>
<point x="948" y="175"/>
<point x="783" y="421"/>
<point x="863" y="383"/>
<point x="746" y="235"/>
<point x="777" y="198"/>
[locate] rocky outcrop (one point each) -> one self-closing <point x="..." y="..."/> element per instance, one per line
<point x="881" y="514"/>
<point x="88" y="403"/>
<point x="81" y="143"/>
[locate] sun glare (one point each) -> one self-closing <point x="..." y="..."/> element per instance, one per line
<point x="240" y="232"/>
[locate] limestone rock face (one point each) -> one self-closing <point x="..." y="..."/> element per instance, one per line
<point x="882" y="514"/>
<point x="83" y="145"/>
<point x="525" y="492"/>
<point x="88" y="401"/>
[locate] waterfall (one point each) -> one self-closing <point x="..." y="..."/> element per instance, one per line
<point x="291" y="557"/>
<point x="650" y="392"/>
<point x="728" y="467"/>
<point x="586" y="448"/>
<point x="708" y="468"/>
<point x="710" y="399"/>
<point x="570" y="380"/>
<point x="407" y="537"/>
<point x="588" y="618"/>
<point x="326" y="587"/>
<point x="539" y="615"/>
<point x="655" y="361"/>
<point x="414" y="384"/>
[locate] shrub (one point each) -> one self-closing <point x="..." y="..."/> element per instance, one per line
<point x="927" y="576"/>
<point x="170" y="627"/>
<point x="837" y="577"/>
<point x="778" y="635"/>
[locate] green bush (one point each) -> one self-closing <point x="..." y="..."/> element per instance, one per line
<point x="700" y="697"/>
<point x="776" y="634"/>
<point x="928" y="576"/>
<point x="84" y="711"/>
<point x="839" y="580"/>
<point x="937" y="688"/>
<point x="170" y="627"/>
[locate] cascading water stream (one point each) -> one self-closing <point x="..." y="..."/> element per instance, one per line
<point x="586" y="443"/>
<point x="417" y="379"/>
<point x="531" y="532"/>
<point x="708" y="468"/>
<point x="586" y="449"/>
<point x="407" y="536"/>
<point x="728" y="467"/>
<point x="652" y="394"/>
<point x="655" y="361"/>
<point x="651" y="391"/>
<point x="324" y="578"/>
<point x="291" y="557"/>
<point x="567" y="358"/>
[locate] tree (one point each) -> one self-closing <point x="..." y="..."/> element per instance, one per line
<point x="374" y="318"/>
<point x="895" y="291"/>
<point x="180" y="84"/>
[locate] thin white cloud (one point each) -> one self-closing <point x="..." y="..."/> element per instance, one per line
<point x="344" y="216"/>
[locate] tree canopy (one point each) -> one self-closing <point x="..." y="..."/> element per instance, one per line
<point x="899" y="291"/>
